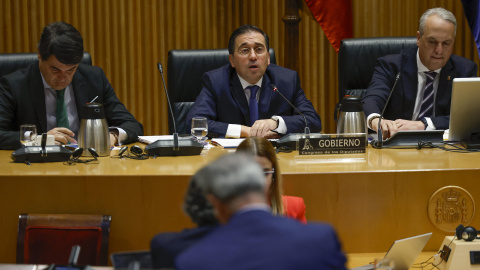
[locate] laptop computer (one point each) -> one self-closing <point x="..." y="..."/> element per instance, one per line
<point x="464" y="109"/>
<point x="121" y="260"/>
<point x="403" y="252"/>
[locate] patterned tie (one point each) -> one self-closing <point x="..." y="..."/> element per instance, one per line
<point x="62" y="117"/>
<point x="427" y="102"/>
<point x="253" y="104"/>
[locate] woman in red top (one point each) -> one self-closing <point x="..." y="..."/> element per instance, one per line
<point x="293" y="207"/>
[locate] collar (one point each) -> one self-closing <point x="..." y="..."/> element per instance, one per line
<point x="245" y="84"/>
<point x="254" y="206"/>
<point x="422" y="68"/>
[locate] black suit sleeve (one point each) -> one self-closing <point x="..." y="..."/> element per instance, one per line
<point x="9" y="137"/>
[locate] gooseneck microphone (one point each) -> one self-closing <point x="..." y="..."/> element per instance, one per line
<point x="379" y="143"/>
<point x="275" y="89"/>
<point x="175" y="134"/>
<point x="177" y="147"/>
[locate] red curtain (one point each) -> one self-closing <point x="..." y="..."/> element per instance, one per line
<point x="335" y="18"/>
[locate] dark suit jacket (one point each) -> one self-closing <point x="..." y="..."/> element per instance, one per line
<point x="222" y="101"/>
<point x="256" y="239"/>
<point x="165" y="247"/>
<point x="22" y="101"/>
<point x="402" y="102"/>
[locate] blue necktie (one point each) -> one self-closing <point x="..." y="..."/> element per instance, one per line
<point x="253" y="104"/>
<point x="428" y="96"/>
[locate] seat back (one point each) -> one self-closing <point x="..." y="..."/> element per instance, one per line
<point x="185" y="70"/>
<point x="10" y="62"/>
<point x="357" y="58"/>
<point x="48" y="238"/>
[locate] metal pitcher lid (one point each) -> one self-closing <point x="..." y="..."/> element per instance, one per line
<point x="93" y="111"/>
<point x="351" y="104"/>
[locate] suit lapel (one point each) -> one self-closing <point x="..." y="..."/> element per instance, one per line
<point x="444" y="93"/>
<point x="37" y="93"/>
<point x="239" y="96"/>
<point x="409" y="81"/>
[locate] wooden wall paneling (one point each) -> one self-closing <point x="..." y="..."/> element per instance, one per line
<point x="128" y="38"/>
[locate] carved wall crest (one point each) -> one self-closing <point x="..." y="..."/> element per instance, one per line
<point x="450" y="206"/>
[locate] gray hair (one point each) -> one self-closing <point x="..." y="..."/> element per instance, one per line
<point x="231" y="176"/>
<point x="440" y="12"/>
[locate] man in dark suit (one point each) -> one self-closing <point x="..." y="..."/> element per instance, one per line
<point x="51" y="93"/>
<point x="422" y="96"/>
<point x="251" y="237"/>
<point x="227" y="102"/>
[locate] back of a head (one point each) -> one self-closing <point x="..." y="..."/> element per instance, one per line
<point x="258" y="146"/>
<point x="231" y="176"/>
<point x="196" y="205"/>
<point x="62" y="40"/>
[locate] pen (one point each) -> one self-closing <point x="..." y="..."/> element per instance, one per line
<point x="93" y="99"/>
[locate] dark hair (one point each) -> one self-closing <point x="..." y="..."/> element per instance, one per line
<point x="197" y="207"/>
<point x="242" y="30"/>
<point x="62" y="40"/>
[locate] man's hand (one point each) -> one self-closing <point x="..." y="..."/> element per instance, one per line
<point x="113" y="139"/>
<point x="62" y="135"/>
<point x="389" y="127"/>
<point x="261" y="127"/>
<point x="403" y="124"/>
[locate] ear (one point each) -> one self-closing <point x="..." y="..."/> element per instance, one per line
<point x="418" y="38"/>
<point x="230" y="58"/>
<point x="39" y="57"/>
<point x="268" y="57"/>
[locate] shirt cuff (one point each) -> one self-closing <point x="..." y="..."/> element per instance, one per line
<point x="371" y="116"/>
<point x="122" y="135"/>
<point x="233" y="131"/>
<point x="282" y="127"/>
<point x="430" y="125"/>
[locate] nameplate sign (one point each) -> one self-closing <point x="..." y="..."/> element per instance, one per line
<point x="327" y="144"/>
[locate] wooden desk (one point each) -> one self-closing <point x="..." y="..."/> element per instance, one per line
<point x="360" y="259"/>
<point x="371" y="199"/>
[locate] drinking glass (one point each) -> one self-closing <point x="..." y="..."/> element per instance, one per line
<point x="28" y="134"/>
<point x="199" y="129"/>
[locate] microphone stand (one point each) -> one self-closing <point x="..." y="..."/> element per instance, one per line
<point x="307" y="129"/>
<point x="175" y="134"/>
<point x="379" y="128"/>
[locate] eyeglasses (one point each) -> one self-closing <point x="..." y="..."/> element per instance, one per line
<point x="269" y="172"/>
<point x="247" y="51"/>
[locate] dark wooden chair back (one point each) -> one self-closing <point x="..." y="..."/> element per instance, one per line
<point x="49" y="238"/>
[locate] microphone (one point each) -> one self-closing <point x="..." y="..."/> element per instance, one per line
<point x="379" y="142"/>
<point x="175" y="134"/>
<point x="184" y="147"/>
<point x="275" y="89"/>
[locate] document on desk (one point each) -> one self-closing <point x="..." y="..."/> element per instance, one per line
<point x="227" y="143"/>
<point x="151" y="139"/>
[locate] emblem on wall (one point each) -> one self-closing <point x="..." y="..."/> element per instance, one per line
<point x="450" y="206"/>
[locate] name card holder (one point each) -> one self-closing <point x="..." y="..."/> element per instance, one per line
<point x="328" y="144"/>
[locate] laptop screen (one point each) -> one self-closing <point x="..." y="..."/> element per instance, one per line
<point x="404" y="252"/>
